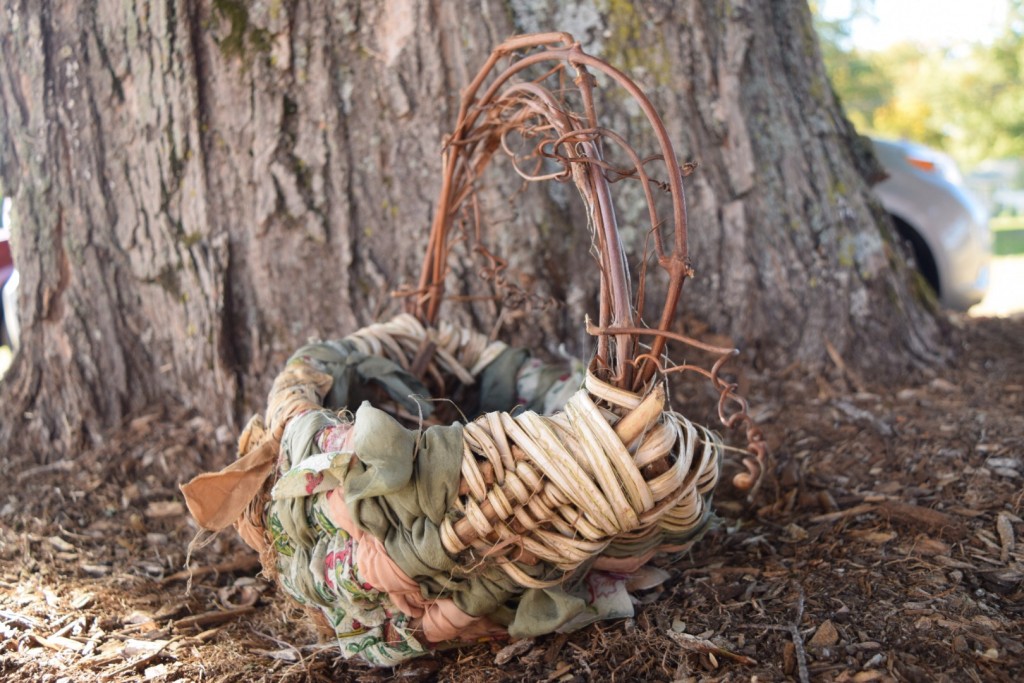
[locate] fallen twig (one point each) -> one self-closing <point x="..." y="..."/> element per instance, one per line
<point x="705" y="646"/>
<point x="212" y="618"/>
<point x="798" y="640"/>
<point x="236" y="565"/>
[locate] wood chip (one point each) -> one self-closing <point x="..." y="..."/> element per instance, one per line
<point x="170" y="611"/>
<point x="33" y="472"/>
<point x="154" y="672"/>
<point x="516" y="649"/>
<point x="562" y="670"/>
<point x="929" y="547"/>
<point x="95" y="569"/>
<point x="74" y="627"/>
<point x="965" y="512"/>
<point x="876" y="537"/>
<point x="842" y="514"/>
<point x="20" y="619"/>
<point x="160" y="509"/>
<point x="60" y="544"/>
<point x="1004" y="463"/>
<point x="153" y="653"/>
<point x="140" y="618"/>
<point x="825" y="636"/>
<point x="788" y="658"/>
<point x="58" y="643"/>
<point x="84" y="600"/>
<point x="288" y="654"/>
<point x="141" y="424"/>
<point x="100" y="660"/>
<point x="948" y="525"/>
<point x="204" y="636"/>
<point x="1006" y="538"/>
<point x="705" y="646"/>
<point x="135" y="647"/>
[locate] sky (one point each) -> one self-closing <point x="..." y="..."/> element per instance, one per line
<point x="941" y="22"/>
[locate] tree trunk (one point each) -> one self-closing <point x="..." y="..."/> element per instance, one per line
<point x="201" y="186"/>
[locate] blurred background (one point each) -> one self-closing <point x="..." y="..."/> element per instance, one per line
<point x="948" y="76"/>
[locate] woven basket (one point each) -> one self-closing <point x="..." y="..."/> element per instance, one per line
<point x="615" y="475"/>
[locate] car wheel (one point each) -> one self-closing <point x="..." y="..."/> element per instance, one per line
<point x="917" y="253"/>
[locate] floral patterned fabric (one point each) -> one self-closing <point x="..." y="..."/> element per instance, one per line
<point x="326" y="573"/>
<point x="351" y="525"/>
<point x="317" y="561"/>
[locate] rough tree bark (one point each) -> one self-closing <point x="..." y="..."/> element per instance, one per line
<point x="200" y="186"/>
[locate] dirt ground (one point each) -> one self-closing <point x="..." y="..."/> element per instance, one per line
<point x="886" y="545"/>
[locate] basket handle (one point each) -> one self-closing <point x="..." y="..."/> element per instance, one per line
<point x="480" y="132"/>
<point x="475" y="140"/>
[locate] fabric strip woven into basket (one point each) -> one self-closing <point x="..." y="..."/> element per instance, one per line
<point x="418" y="483"/>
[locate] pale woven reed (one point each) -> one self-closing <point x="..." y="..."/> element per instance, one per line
<point x="614" y="472"/>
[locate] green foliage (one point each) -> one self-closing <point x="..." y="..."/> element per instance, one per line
<point x="966" y="101"/>
<point x="1008" y="235"/>
<point x="988" y="97"/>
<point x="1009" y="241"/>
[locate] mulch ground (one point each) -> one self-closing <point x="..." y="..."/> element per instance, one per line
<point x="888" y="544"/>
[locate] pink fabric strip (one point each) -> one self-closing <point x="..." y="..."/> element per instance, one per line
<point x="441" y="618"/>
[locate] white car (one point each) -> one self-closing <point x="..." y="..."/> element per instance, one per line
<point x="945" y="226"/>
<point x="9" y="331"/>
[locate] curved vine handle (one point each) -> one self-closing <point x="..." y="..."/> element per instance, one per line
<point x="477" y="138"/>
<point x="496" y="104"/>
